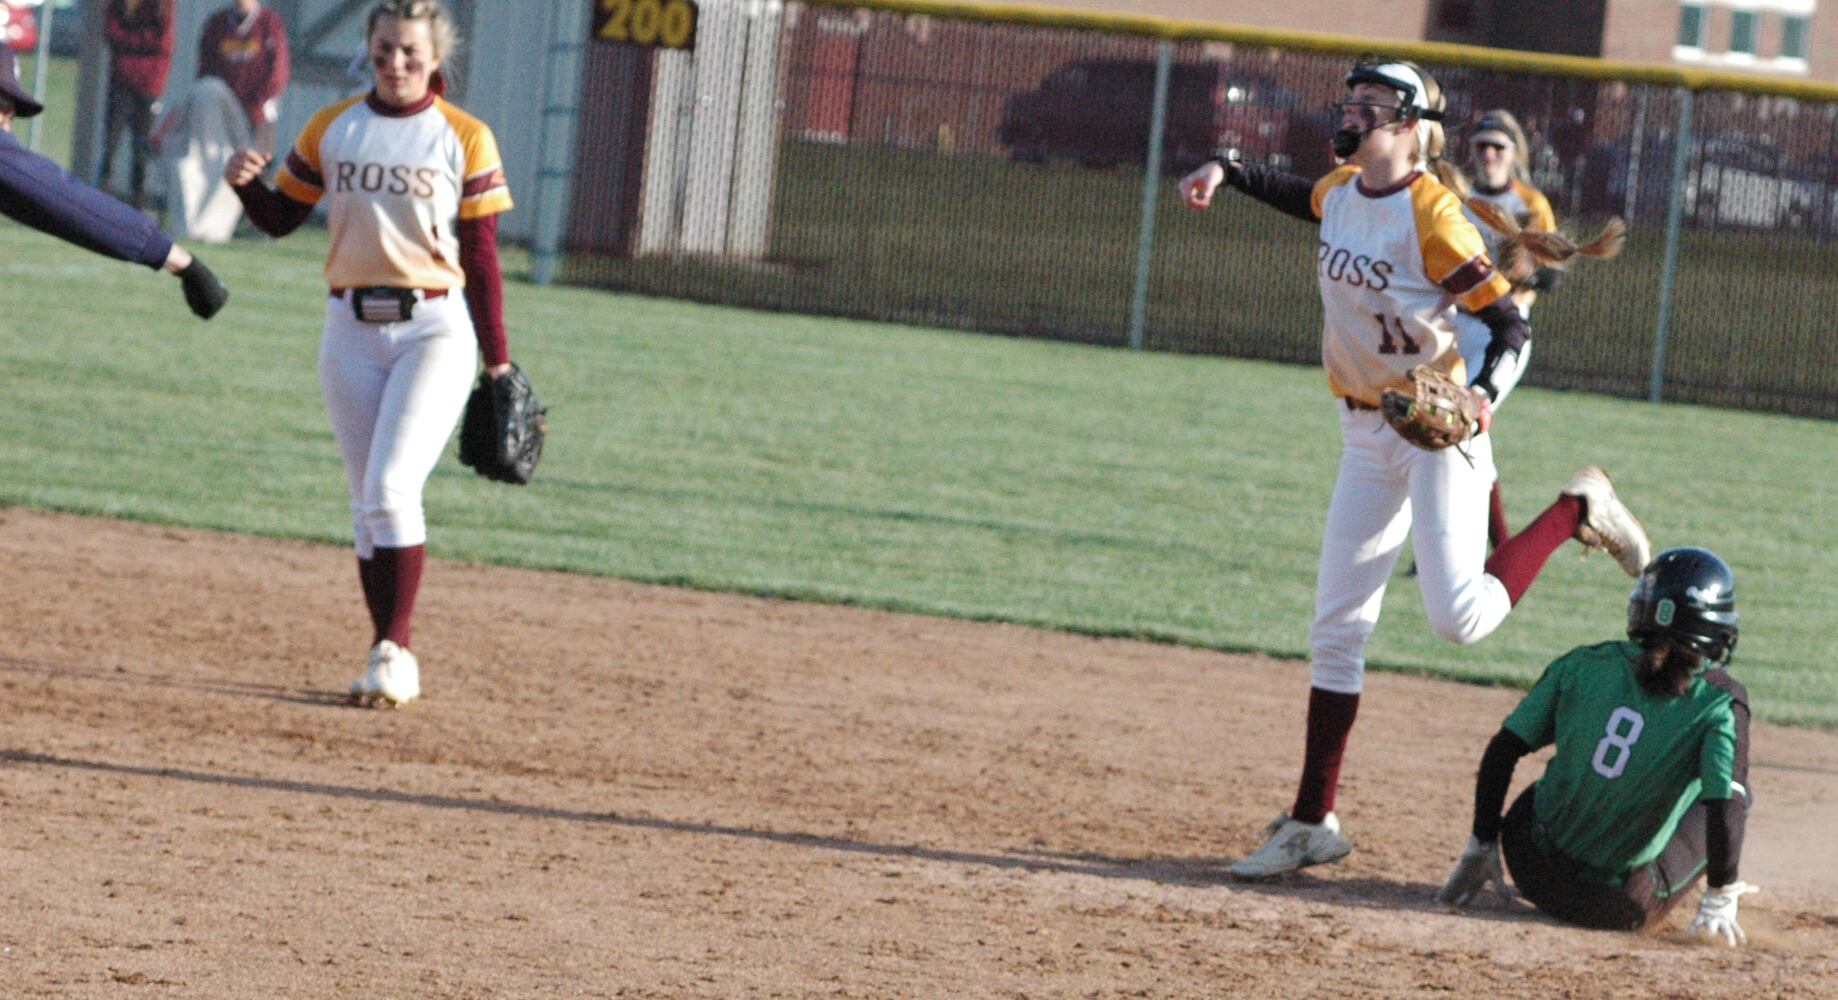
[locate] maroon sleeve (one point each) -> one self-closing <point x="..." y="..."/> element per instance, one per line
<point x="1290" y="194"/>
<point x="478" y="239"/>
<point x="271" y="211"/>
<point x="208" y="40"/>
<point x="280" y="69"/>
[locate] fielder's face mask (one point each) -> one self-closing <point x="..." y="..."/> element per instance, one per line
<point x="1412" y="104"/>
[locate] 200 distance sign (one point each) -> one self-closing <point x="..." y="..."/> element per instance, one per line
<point x="665" y="24"/>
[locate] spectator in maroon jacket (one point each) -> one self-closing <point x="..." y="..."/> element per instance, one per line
<point x="245" y="46"/>
<point x="140" y="53"/>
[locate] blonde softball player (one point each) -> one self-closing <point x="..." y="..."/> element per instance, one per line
<point x="1395" y="258"/>
<point x="1498" y="158"/>
<point x="413" y="186"/>
<point x="1520" y="230"/>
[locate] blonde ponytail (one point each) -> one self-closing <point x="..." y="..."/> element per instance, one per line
<point x="1524" y="251"/>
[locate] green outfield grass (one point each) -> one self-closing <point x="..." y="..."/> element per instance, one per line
<point x="1161" y="496"/>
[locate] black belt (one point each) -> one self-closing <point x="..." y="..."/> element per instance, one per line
<point x="426" y="293"/>
<point x="1354" y="404"/>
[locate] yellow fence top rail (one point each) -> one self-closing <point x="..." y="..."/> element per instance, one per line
<point x="1441" y="53"/>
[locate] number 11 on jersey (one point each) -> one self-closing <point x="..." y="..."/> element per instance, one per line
<point x="1390" y="346"/>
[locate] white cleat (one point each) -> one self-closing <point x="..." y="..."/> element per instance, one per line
<point x="1290" y="844"/>
<point x="1607" y="523"/>
<point x="391" y="679"/>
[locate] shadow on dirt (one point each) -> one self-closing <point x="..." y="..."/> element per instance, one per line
<point x="122" y="675"/>
<point x="1367" y="892"/>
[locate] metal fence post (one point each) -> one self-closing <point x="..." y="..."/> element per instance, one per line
<point x="1151" y="188"/>
<point x="40" y="65"/>
<point x="1675" y="217"/>
<point x="566" y="66"/>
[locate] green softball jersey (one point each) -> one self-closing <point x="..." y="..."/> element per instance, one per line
<point x="1628" y="764"/>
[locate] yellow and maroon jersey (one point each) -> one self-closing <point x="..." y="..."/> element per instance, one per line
<point x="397" y="185"/>
<point x="1393" y="265"/>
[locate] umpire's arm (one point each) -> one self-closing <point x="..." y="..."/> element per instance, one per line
<point x="38" y="193"/>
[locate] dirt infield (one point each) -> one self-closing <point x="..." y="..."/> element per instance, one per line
<point x="620" y="790"/>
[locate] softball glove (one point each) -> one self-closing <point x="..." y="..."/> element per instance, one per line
<point x="502" y="435"/>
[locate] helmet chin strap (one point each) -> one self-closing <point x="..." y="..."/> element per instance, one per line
<point x="1346" y="141"/>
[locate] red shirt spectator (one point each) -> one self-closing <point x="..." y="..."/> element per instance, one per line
<point x="140" y="37"/>
<point x="245" y="46"/>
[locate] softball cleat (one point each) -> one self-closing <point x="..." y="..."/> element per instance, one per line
<point x="392" y="678"/>
<point x="1291" y="844"/>
<point x="1606" y="524"/>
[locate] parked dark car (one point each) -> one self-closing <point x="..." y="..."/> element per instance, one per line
<point x="1097" y="112"/>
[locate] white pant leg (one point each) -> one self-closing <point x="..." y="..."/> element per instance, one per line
<point x="392" y="433"/>
<point x="353" y="369"/>
<point x="1367" y="522"/>
<point x="1449" y="531"/>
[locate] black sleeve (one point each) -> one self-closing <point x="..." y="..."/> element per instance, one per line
<point x="271" y="211"/>
<point x="1510" y="332"/>
<point x="1727" y="820"/>
<point x="1495" y="778"/>
<point x="38" y="193"/>
<point x="1291" y="194"/>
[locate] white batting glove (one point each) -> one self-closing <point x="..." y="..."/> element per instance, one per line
<point x="1717" y="913"/>
<point x="1479" y="865"/>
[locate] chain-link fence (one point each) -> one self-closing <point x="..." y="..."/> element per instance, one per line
<point x="993" y="175"/>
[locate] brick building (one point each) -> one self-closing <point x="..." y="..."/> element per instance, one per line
<point x="1793" y="39"/>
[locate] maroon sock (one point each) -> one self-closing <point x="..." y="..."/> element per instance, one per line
<point x="1330" y="722"/>
<point x="373" y="596"/>
<point x="1517" y="562"/>
<point x="399" y="579"/>
<point x="1496" y="517"/>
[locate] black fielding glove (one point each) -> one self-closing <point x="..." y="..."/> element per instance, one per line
<point x="203" y="292"/>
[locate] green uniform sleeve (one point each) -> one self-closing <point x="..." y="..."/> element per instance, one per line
<point x="1535" y="720"/>
<point x="1717" y="757"/>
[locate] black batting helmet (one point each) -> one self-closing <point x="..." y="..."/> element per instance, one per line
<point x="1687" y="595"/>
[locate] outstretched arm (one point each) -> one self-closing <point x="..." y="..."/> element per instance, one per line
<point x="1291" y="194"/>
<point x="40" y="194"/>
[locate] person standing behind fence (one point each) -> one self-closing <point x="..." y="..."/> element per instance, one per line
<point x="245" y="46"/>
<point x="413" y="187"/>
<point x="140" y="34"/>
<point x="1395" y="255"/>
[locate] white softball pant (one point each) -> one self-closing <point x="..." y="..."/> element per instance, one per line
<point x="1389" y="489"/>
<point x="394" y="392"/>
